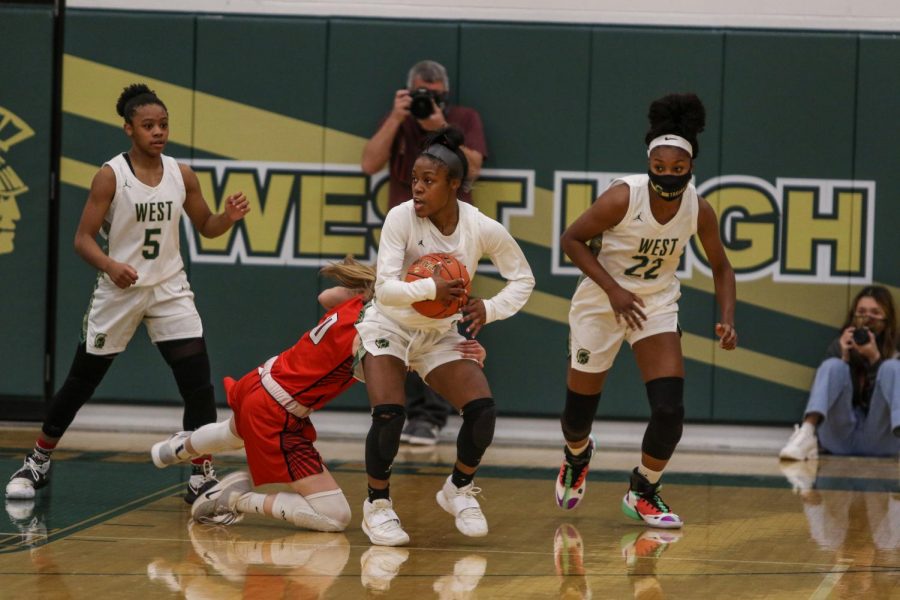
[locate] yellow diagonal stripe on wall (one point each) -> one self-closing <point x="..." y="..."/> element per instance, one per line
<point x="216" y="125"/>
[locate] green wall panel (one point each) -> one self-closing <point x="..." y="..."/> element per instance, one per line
<point x="368" y="61"/>
<point x="787" y="98"/>
<point x="273" y="64"/>
<point x="876" y="156"/>
<point x="530" y="84"/>
<point x="155" y="45"/>
<point x="25" y="96"/>
<point x="632" y="67"/>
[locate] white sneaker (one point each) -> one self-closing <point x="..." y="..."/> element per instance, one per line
<point x="165" y="453"/>
<point x="217" y="505"/>
<point x="379" y="565"/>
<point x="461" y="503"/>
<point x="382" y="524"/>
<point x="802" y="446"/>
<point x="32" y="476"/>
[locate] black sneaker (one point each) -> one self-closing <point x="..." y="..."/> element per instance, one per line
<point x="203" y="477"/>
<point x="32" y="476"/>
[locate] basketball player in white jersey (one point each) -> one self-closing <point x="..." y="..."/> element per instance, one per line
<point x="396" y="338"/>
<point x="629" y="292"/>
<point x="136" y="201"/>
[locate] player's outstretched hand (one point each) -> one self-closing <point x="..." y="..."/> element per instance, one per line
<point x="237" y="206"/>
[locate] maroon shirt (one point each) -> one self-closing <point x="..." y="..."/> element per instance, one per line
<point x="407" y="146"/>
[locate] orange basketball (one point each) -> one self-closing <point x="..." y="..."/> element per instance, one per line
<point x="447" y="267"/>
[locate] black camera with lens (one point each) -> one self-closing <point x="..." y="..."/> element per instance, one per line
<point x="423" y="101"/>
<point x="861" y="336"/>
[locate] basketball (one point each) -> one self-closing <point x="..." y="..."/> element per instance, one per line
<point x="447" y="267"/>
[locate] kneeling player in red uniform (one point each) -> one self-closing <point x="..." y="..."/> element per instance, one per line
<point x="271" y="406"/>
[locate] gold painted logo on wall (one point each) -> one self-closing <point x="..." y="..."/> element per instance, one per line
<point x="13" y="130"/>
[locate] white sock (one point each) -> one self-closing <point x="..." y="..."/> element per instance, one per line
<point x="215" y="437"/>
<point x="651" y="476"/>
<point x="579" y="450"/>
<point x="808" y="428"/>
<point x="251" y="502"/>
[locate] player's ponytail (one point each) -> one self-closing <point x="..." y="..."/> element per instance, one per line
<point x="352" y="274"/>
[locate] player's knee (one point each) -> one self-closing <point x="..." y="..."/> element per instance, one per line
<point x="383" y="440"/>
<point x="578" y="416"/>
<point x="333" y="507"/>
<point x="666" y="396"/>
<point x="477" y="431"/>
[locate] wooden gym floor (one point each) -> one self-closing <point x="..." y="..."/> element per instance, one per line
<point x="110" y="525"/>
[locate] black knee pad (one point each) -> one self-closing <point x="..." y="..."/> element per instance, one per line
<point x="666" y="396"/>
<point x="578" y="416"/>
<point x="85" y="374"/>
<point x="383" y="440"/>
<point x="190" y="366"/>
<point x="477" y="431"/>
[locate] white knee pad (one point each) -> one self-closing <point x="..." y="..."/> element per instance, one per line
<point x="324" y="511"/>
<point x="215" y="437"/>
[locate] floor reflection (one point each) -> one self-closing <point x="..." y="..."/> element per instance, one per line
<point x="299" y="565"/>
<point x="859" y="527"/>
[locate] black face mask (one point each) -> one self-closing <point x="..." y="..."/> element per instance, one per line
<point x="669" y="187"/>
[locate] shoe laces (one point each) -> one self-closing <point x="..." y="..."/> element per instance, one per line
<point x="34" y="468"/>
<point x="207" y="471"/>
<point x="656" y="501"/>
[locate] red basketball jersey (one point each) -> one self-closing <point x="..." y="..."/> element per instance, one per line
<point x="320" y="365"/>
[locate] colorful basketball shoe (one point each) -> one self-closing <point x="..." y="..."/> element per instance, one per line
<point x="572" y="479"/>
<point x="642" y="503"/>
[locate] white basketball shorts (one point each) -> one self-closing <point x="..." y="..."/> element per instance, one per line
<point x="167" y="310"/>
<point x="594" y="335"/>
<point x="421" y="350"/>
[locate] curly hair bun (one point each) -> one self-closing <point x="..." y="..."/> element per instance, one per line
<point x="132" y="91"/>
<point x="680" y="114"/>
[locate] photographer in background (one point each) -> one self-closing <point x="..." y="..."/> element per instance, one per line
<point x="854" y="404"/>
<point x="418" y="110"/>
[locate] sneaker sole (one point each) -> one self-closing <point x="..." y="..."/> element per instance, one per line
<point x="24" y="492"/>
<point x="382" y="542"/>
<point x="419" y="441"/>
<point x="446" y="506"/>
<point x="633" y="514"/>
<point x="155" y="457"/>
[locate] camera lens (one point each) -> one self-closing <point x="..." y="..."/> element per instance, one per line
<point x="861" y="336"/>
<point x="421" y="106"/>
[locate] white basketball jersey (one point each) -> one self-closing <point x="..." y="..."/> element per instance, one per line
<point x="639" y="253"/>
<point x="141" y="226"/>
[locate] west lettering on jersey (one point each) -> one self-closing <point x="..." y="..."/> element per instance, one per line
<point x="658" y="246"/>
<point x="153" y="211"/>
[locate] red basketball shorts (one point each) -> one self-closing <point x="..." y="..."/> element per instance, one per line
<point x="279" y="446"/>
